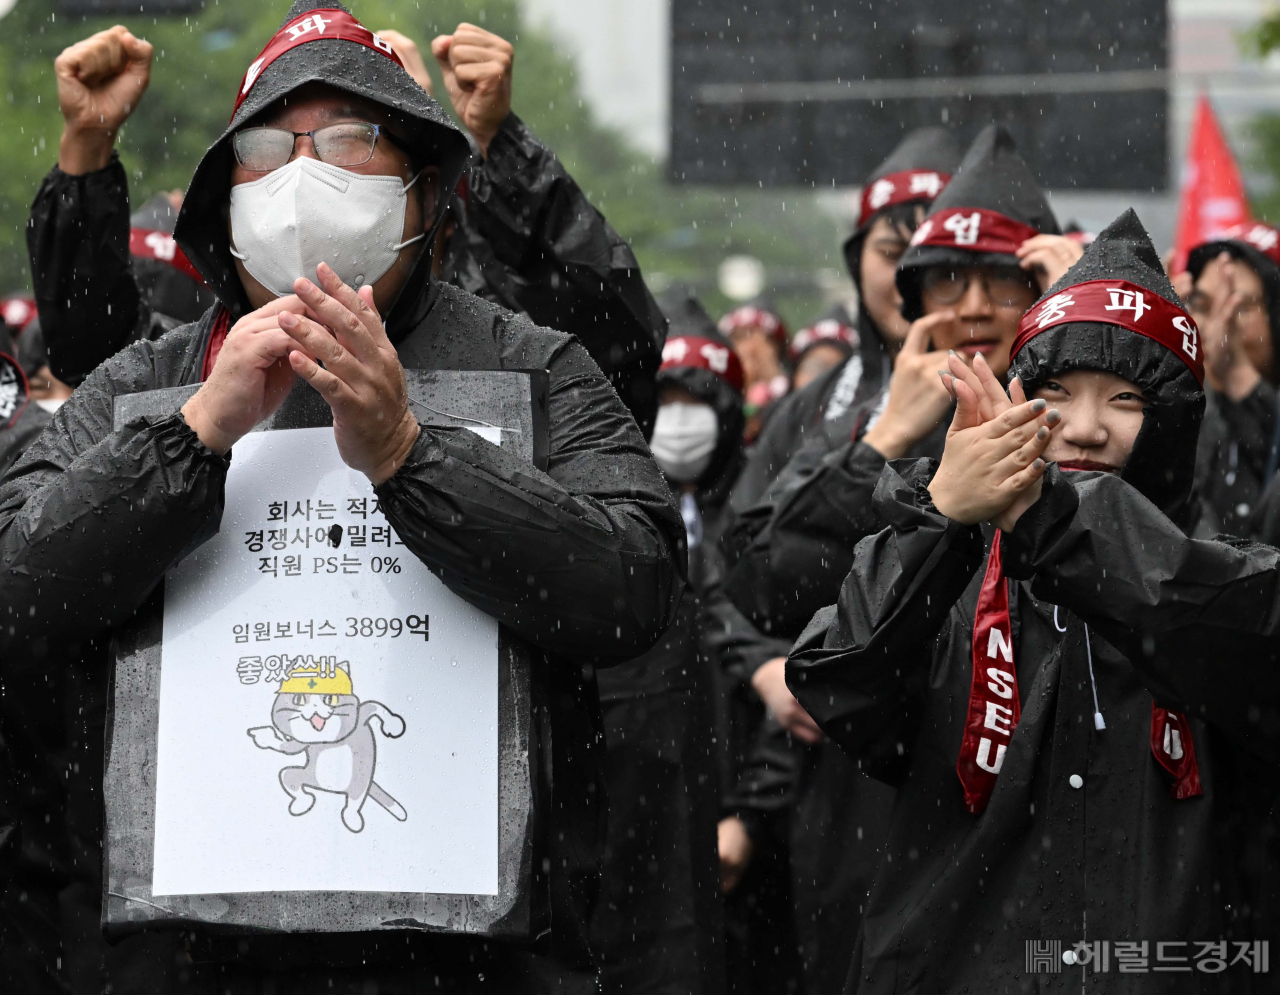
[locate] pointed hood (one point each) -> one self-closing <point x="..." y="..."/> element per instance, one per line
<point x="700" y="359"/>
<point x="1116" y="311"/>
<point x="991" y="206"/>
<point x="917" y="171"/>
<point x="1256" y="244"/>
<point x="319" y="43"/>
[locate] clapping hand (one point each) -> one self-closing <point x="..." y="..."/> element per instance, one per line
<point x="991" y="467"/>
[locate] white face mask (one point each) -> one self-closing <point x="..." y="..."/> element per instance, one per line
<point x="308" y="212"/>
<point x="684" y="439"/>
<point x="51" y="405"/>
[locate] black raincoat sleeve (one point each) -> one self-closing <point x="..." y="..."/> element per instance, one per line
<point x="796" y="545"/>
<point x="737" y="645"/>
<point x="558" y="260"/>
<point x="91" y="517"/>
<point x="585" y="560"/>
<point x="1199" y="619"/>
<point x="861" y="668"/>
<point x="78" y="240"/>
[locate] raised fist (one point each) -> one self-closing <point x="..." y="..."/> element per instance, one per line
<point x="476" y="65"/>
<point x="100" y="81"/>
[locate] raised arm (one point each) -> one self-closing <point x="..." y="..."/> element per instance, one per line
<point x="78" y="233"/>
<point x="534" y="240"/>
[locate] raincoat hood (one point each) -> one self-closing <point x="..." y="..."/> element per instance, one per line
<point x="166" y="279"/>
<point x="700" y="359"/>
<point x="1162" y="464"/>
<point x="923" y="153"/>
<point x="365" y="68"/>
<point x="1256" y="244"/>
<point x="991" y="206"/>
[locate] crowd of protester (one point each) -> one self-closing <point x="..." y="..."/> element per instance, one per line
<point x="895" y="654"/>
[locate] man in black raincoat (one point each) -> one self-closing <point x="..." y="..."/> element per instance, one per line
<point x="658" y="926"/>
<point x="522" y="234"/>
<point x="1232" y="289"/>
<point x="1082" y="735"/>
<point x="583" y="561"/>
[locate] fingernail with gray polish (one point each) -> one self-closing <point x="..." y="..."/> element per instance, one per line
<point x="1039" y="404"/>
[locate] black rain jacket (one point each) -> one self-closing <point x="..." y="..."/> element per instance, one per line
<point x="584" y="560"/>
<point x="525" y="238"/>
<point x="1081" y="839"/>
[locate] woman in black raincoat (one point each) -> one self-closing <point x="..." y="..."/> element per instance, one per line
<point x="1085" y="753"/>
<point x="92" y="516"/>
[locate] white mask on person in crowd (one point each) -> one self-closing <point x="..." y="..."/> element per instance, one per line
<point x="684" y="438"/>
<point x="50" y="405"/>
<point x="308" y="212"/>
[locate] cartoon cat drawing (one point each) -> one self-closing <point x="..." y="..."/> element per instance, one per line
<point x="317" y="713"/>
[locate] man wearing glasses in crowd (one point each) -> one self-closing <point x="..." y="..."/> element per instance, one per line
<point x="314" y="218"/>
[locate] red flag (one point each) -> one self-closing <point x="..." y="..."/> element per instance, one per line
<point x="1213" y="198"/>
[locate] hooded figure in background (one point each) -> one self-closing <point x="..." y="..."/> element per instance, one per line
<point x="759" y="337"/>
<point x="658" y="925"/>
<point x="497" y="531"/>
<point x="818" y="348"/>
<point x="991" y="226"/>
<point x="1127" y="799"/>
<point x="521" y="234"/>
<point x="167" y="282"/>
<point x="1232" y="289"/>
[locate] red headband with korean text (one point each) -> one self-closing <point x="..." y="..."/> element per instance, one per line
<point x="1262" y="237"/>
<point x="973" y="229"/>
<point x="323" y="24"/>
<point x="750" y="316"/>
<point x="160" y="246"/>
<point x="900" y="188"/>
<point x="1118" y="302"/>
<point x="703" y="354"/>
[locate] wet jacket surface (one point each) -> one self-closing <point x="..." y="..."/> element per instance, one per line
<point x="526" y="238"/>
<point x="887" y="673"/>
<point x="1233" y="457"/>
<point x="582" y="560"/>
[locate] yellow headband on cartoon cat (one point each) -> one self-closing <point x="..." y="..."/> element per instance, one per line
<point x="318" y="677"/>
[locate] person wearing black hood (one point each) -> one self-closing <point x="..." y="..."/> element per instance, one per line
<point x="521" y="234"/>
<point x="971" y="270"/>
<point x="821" y="347"/>
<point x="316" y="106"/>
<point x="1232" y="289"/>
<point x="964" y="280"/>
<point x="658" y="925"/>
<point x="1117" y="822"/>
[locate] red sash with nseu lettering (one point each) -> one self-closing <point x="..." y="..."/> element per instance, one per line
<point x="994" y="706"/>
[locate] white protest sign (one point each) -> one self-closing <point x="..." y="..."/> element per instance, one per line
<point x="328" y="714"/>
